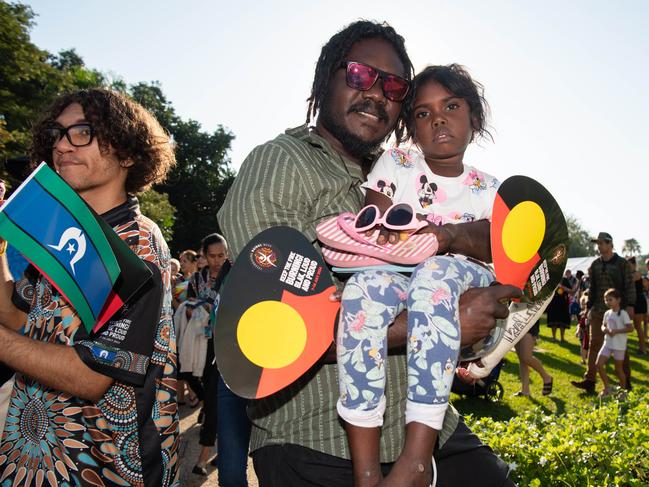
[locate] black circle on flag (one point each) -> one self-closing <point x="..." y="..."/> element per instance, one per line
<point x="275" y="319"/>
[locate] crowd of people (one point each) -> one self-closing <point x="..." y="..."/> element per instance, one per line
<point x="606" y="304"/>
<point x="102" y="408"/>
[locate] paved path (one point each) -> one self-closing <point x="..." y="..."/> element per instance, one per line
<point x="189" y="449"/>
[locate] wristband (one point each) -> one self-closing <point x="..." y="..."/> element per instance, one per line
<point x="3" y="247"/>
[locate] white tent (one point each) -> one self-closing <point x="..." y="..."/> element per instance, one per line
<point x="579" y="264"/>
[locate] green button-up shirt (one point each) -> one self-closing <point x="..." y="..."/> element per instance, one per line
<point x="298" y="180"/>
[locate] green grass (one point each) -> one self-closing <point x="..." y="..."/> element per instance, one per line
<point x="562" y="361"/>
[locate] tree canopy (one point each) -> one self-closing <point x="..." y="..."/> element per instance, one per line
<point x="580" y="244"/>
<point x="631" y="247"/>
<point x="185" y="206"/>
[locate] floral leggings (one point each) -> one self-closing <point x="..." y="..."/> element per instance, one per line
<point x="370" y="302"/>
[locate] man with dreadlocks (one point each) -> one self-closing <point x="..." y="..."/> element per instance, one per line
<point x="309" y="174"/>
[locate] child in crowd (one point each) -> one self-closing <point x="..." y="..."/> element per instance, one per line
<point x="446" y="112"/>
<point x="615" y="325"/>
<point x="583" y="333"/>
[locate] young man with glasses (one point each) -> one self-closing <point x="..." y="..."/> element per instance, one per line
<point x="95" y="408"/>
<point x="302" y="177"/>
<point x="606" y="272"/>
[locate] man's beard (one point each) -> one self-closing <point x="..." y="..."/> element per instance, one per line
<point x="354" y="145"/>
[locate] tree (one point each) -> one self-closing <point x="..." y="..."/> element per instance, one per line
<point x="631" y="247"/>
<point x="157" y="207"/>
<point x="580" y="244"/>
<point x="30" y="77"/>
<point x="197" y="185"/>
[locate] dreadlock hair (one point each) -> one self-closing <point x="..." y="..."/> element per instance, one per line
<point x="456" y="79"/>
<point x="335" y="51"/>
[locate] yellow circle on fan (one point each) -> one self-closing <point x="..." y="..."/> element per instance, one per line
<point x="271" y="334"/>
<point x="523" y="231"/>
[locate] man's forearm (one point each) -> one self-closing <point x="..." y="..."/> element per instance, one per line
<point x="10" y="316"/>
<point x="56" y="366"/>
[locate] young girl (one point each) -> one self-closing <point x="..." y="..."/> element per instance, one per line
<point x="615" y="325"/>
<point x="583" y="327"/>
<point x="445" y="114"/>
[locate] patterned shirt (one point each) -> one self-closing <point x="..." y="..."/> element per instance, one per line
<point x="298" y="180"/>
<point x="130" y="436"/>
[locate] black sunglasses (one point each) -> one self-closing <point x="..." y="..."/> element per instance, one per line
<point x="362" y="77"/>
<point x="79" y="134"/>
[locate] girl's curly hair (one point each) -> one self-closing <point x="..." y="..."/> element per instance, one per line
<point x="118" y="123"/>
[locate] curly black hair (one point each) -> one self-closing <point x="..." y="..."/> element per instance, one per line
<point x="119" y="123"/>
<point x="335" y="51"/>
<point x="456" y="79"/>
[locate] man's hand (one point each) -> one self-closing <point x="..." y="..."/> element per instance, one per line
<point x="630" y="311"/>
<point x="336" y="296"/>
<point x="464" y="375"/>
<point x="480" y="307"/>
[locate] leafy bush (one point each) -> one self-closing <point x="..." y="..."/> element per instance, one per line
<point x="606" y="444"/>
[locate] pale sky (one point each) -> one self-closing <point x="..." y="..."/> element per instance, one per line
<point x="566" y="81"/>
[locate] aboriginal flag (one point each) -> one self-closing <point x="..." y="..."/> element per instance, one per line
<point x="89" y="264"/>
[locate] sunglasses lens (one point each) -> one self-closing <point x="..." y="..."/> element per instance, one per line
<point x="360" y="76"/>
<point x="366" y="217"/>
<point x="399" y="215"/>
<point x="395" y="88"/>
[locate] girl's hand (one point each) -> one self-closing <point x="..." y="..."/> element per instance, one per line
<point x="387" y="236"/>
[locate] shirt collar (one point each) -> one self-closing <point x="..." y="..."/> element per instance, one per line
<point x="125" y="212"/>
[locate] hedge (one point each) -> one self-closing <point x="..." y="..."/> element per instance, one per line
<point x="602" y="444"/>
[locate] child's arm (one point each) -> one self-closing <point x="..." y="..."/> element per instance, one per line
<point x="472" y="239"/>
<point x="627" y="329"/>
<point x="379" y="199"/>
<point x="627" y="321"/>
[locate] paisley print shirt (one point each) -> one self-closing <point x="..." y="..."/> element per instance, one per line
<point x="130" y="437"/>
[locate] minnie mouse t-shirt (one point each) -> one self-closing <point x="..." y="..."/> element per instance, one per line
<point x="404" y="177"/>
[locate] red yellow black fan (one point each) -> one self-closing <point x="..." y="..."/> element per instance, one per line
<point x="275" y="319"/>
<point x="529" y="238"/>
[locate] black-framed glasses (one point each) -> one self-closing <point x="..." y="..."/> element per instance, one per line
<point x="79" y="134"/>
<point x="362" y="77"/>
